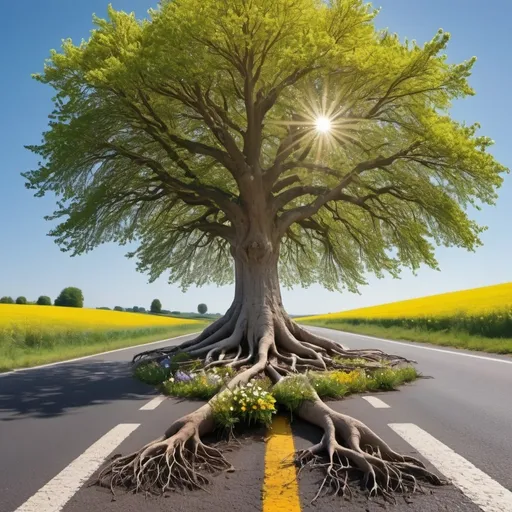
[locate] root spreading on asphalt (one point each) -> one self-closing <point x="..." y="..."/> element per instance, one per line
<point x="270" y="342"/>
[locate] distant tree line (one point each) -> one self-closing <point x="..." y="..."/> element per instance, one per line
<point x="73" y="297"/>
<point x="70" y="297"/>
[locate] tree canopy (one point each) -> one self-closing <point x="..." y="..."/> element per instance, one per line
<point x="70" y="297"/>
<point x="156" y="306"/>
<point x="163" y="127"/>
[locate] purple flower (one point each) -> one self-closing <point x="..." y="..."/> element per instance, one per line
<point x="182" y="376"/>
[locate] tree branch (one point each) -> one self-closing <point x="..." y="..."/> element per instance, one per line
<point x="303" y="212"/>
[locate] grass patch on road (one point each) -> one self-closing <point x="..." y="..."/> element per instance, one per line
<point x="71" y="344"/>
<point x="447" y="338"/>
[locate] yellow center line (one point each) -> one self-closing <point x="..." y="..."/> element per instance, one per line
<point x="280" y="488"/>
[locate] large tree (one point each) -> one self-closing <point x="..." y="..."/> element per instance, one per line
<point x="260" y="141"/>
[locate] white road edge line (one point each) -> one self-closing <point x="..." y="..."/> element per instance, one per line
<point x="376" y="402"/>
<point x="53" y="496"/>
<point x="413" y="344"/>
<point x="18" y="370"/>
<point x="153" y="404"/>
<point x="485" y="492"/>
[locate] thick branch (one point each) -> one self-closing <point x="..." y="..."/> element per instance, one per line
<point x="303" y="212"/>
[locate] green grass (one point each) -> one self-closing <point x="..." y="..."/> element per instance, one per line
<point x="291" y="392"/>
<point x="328" y="384"/>
<point x="447" y="338"/>
<point x="13" y="355"/>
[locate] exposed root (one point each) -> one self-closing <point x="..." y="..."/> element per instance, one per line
<point x="349" y="451"/>
<point x="257" y="337"/>
<point x="180" y="462"/>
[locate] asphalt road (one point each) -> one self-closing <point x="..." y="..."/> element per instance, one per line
<point x="50" y="416"/>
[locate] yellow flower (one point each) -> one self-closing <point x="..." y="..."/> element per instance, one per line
<point x="243" y="408"/>
<point x="263" y="407"/>
<point x="254" y="407"/>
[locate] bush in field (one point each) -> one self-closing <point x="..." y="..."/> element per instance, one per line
<point x="202" y="308"/>
<point x="156" y="306"/>
<point x="6" y="300"/>
<point x="21" y="300"/>
<point x="70" y="297"/>
<point x="44" y="300"/>
<point x="118" y="308"/>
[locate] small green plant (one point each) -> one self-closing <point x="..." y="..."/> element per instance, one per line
<point x="292" y="391"/>
<point x="407" y="374"/>
<point x="327" y="386"/>
<point x="151" y="373"/>
<point x="202" y="386"/>
<point x="384" y="380"/>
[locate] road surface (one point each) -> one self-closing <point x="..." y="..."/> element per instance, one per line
<point x="58" y="423"/>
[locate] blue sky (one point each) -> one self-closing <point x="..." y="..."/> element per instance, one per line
<point x="31" y="264"/>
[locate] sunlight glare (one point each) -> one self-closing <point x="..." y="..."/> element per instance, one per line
<point x="323" y="124"/>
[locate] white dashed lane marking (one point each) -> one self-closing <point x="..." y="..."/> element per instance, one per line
<point x="153" y="404"/>
<point x="376" y="402"/>
<point x="479" y="487"/>
<point x="53" y="496"/>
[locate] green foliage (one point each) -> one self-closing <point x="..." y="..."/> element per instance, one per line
<point x="336" y="384"/>
<point x="202" y="309"/>
<point x="385" y="380"/>
<point x="70" y="297"/>
<point x="151" y="373"/>
<point x="6" y="300"/>
<point x="328" y="387"/>
<point x="118" y="308"/>
<point x="44" y="300"/>
<point x="292" y="391"/>
<point x="156" y="306"/>
<point x="104" y="308"/>
<point x="155" y="133"/>
<point x="135" y="309"/>
<point x="21" y="300"/>
<point x="201" y="387"/>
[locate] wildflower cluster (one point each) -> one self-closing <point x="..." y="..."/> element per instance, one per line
<point x="337" y="384"/>
<point x="248" y="403"/>
<point x="201" y="384"/>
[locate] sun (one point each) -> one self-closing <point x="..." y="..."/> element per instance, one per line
<point x="323" y="124"/>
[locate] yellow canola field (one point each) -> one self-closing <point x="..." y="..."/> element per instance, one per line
<point x="473" y="302"/>
<point x="78" y="319"/>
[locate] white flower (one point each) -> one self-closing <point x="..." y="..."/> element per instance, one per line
<point x="256" y="393"/>
<point x="171" y="379"/>
<point x="231" y="409"/>
<point x="259" y="389"/>
<point x="249" y="384"/>
<point x="227" y="375"/>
